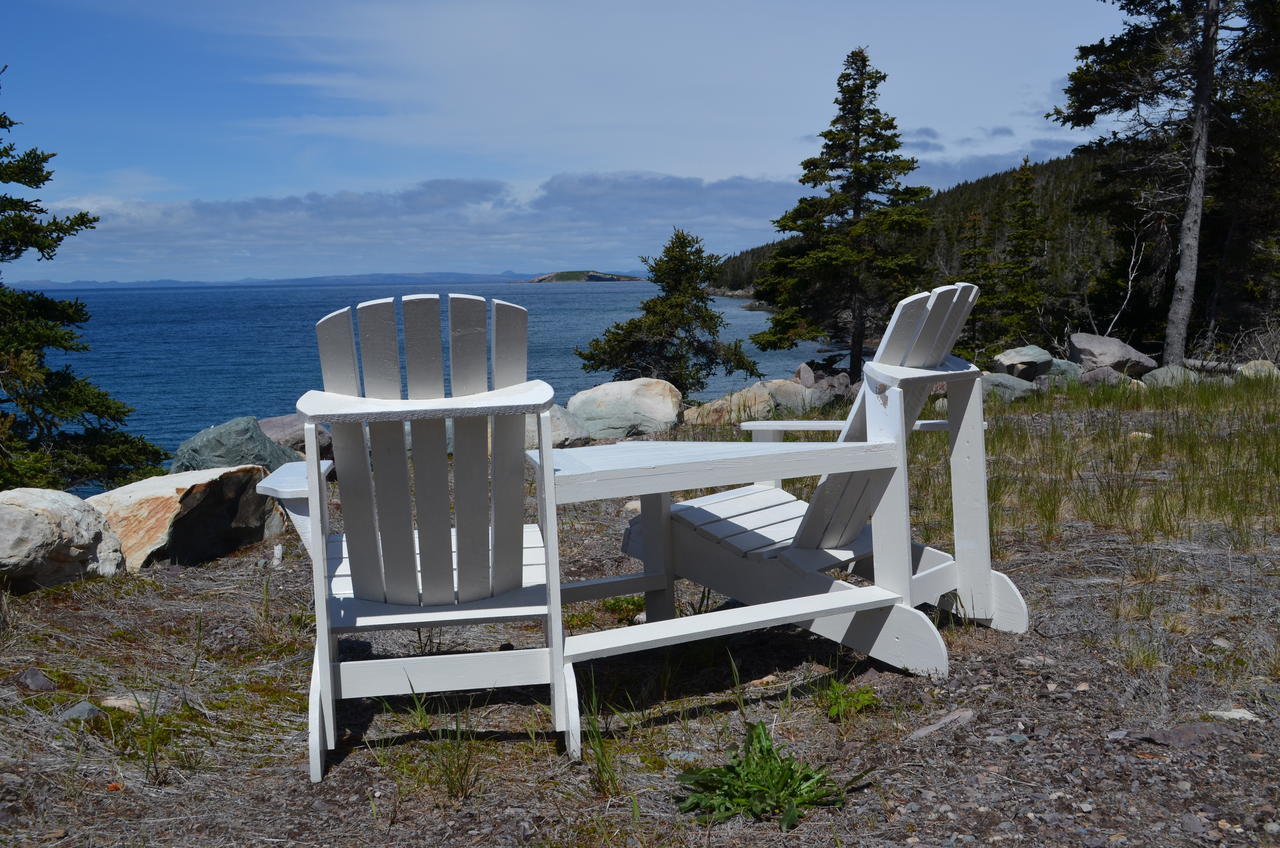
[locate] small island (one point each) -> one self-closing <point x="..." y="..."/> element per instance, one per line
<point x="582" y="277"/>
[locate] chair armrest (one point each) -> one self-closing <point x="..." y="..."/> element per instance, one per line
<point x="533" y="396"/>
<point x="290" y="480"/>
<point x="880" y="376"/>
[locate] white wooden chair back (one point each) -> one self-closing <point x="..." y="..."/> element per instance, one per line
<point x="921" y="334"/>
<point x="394" y="480"/>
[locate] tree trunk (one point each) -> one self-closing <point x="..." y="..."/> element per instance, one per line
<point x="857" y="338"/>
<point x="1184" y="281"/>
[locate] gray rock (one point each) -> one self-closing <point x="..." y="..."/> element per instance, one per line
<point x="626" y="408"/>
<point x="768" y="398"/>
<point x="1006" y="388"/>
<point x="239" y="441"/>
<point x="1025" y="363"/>
<point x="1066" y="369"/>
<point x="191" y="517"/>
<point x="1047" y="382"/>
<point x="1103" y="377"/>
<point x="958" y="718"/>
<point x="804" y="375"/>
<point x="35" y="680"/>
<point x="49" y="537"/>
<point x="566" y="429"/>
<point x="286" y="430"/>
<point x="1170" y="375"/>
<point x="82" y="710"/>
<point x="1259" y="369"/>
<point x="1104" y="352"/>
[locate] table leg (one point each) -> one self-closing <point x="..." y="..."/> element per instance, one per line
<point x="655" y="518"/>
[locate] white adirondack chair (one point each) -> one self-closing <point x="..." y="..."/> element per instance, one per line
<point x="759" y="543"/>
<point x="418" y="552"/>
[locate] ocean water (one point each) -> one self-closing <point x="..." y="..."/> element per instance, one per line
<point x="186" y="357"/>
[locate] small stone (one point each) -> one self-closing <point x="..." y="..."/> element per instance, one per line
<point x="767" y="680"/>
<point x="1019" y="738"/>
<point x="1139" y="436"/>
<point x="1183" y="786"/>
<point x="1193" y="824"/>
<point x="955" y="717"/>
<point x="1237" y="714"/>
<point x="35" y="680"/>
<point x="683" y="757"/>
<point x="1272" y="827"/>
<point x="1082" y="687"/>
<point x="640" y="618"/>
<point x="1086" y="807"/>
<point x="82" y="710"/>
<point x="1222" y="643"/>
<point x="631" y="508"/>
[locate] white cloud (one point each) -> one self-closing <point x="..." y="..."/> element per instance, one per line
<point x="603" y="220"/>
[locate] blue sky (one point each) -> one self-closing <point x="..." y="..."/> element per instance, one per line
<point x="283" y="138"/>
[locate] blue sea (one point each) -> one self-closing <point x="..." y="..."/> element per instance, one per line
<point x="190" y="356"/>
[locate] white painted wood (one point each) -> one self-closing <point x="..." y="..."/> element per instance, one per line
<point x="659" y="634"/>
<point x="697" y="514"/>
<point x="969" y="498"/>
<point x="335" y="338"/>
<point x="442" y="673"/>
<point x="327" y="407"/>
<point x="289" y="480"/>
<point x="509" y="352"/>
<point x="900" y="334"/>
<point x="423" y="354"/>
<point x="632" y="468"/>
<point x="382" y="573"/>
<point x="379" y="353"/>
<point x="610" y="587"/>
<point x="655" y="516"/>
<point x="925" y="352"/>
<point x="755" y="427"/>
<point x="891" y="524"/>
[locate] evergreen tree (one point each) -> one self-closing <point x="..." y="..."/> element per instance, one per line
<point x="56" y="430"/>
<point x="676" y="337"/>
<point x="1166" y="76"/>
<point x="850" y="258"/>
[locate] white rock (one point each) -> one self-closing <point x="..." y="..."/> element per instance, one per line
<point x="1259" y="368"/>
<point x="1237" y="714"/>
<point x="191" y="517"/>
<point x="626" y="408"/>
<point x="565" y="428"/>
<point x="49" y="537"/>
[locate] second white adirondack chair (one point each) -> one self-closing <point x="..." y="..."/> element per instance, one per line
<point x="428" y="542"/>
<point x="735" y="541"/>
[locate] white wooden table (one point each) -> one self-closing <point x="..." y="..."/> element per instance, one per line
<point x="653" y="470"/>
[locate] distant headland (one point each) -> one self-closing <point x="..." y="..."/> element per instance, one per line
<point x="582" y="277"/>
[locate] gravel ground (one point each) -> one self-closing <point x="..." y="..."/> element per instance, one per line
<point x="1139" y="710"/>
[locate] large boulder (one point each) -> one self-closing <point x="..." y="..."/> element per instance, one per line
<point x="1103" y="377"/>
<point x="1105" y="352"/>
<point x="768" y="398"/>
<point x="191" y="517"/>
<point x="626" y="408"/>
<point x="566" y="429"/>
<point x="239" y="441"/>
<point x="1257" y="369"/>
<point x="286" y="430"/>
<point x="1007" y="387"/>
<point x="1025" y="363"/>
<point x="1066" y="369"/>
<point x="49" y="537"/>
<point x="1170" y="375"/>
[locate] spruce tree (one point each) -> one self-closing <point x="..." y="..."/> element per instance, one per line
<point x="57" y="430"/>
<point x="851" y="258"/>
<point x="677" y="335"/>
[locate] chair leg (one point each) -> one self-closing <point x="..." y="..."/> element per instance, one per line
<point x="316" y="720"/>
<point x="655" y="518"/>
<point x="324" y="673"/>
<point x="1007" y="610"/>
<point x="572" y="717"/>
<point x="899" y="635"/>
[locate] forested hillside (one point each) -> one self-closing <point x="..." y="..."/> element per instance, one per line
<point x="1093" y="270"/>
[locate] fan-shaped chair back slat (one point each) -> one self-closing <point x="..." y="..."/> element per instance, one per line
<point x="395" y="482"/>
<point x="923" y="330"/>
